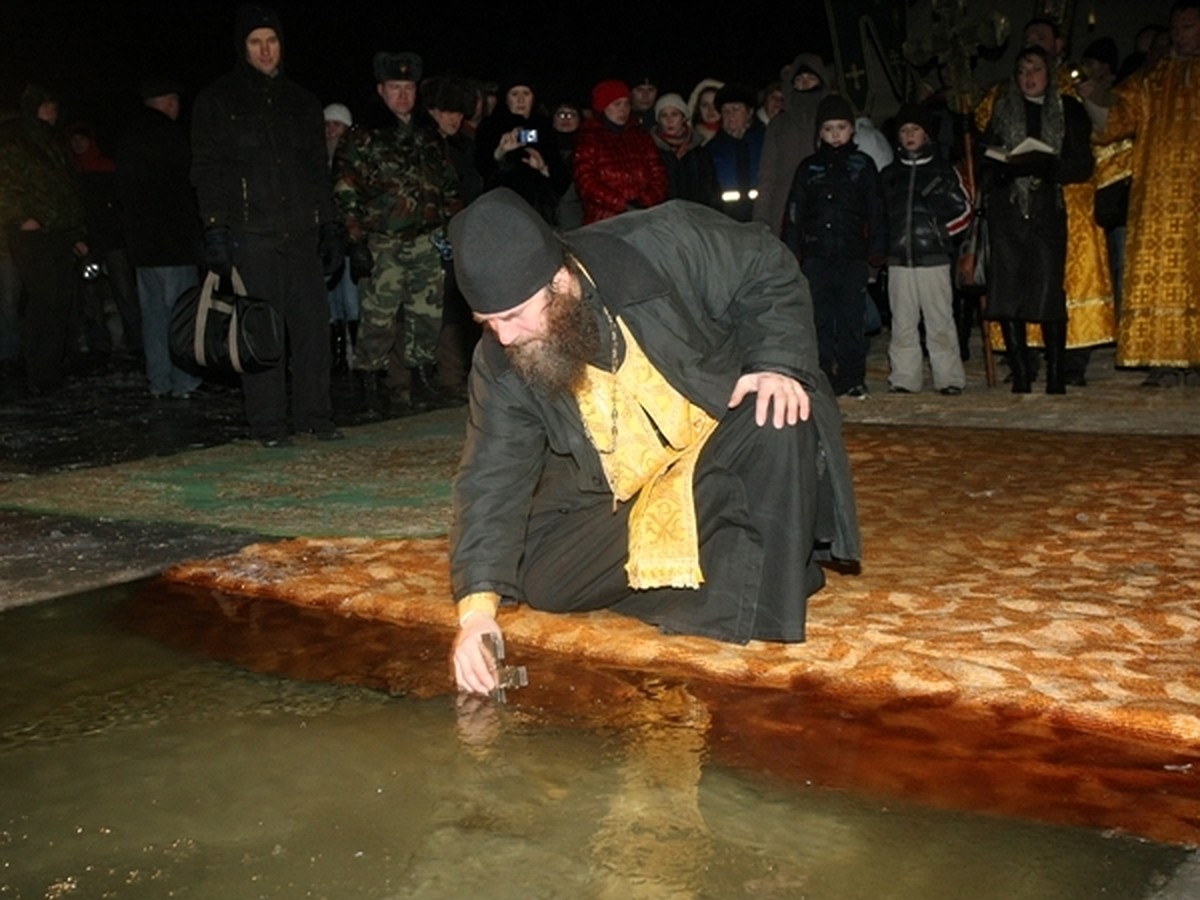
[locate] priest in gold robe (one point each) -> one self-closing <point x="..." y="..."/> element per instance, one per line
<point x="1159" y="108"/>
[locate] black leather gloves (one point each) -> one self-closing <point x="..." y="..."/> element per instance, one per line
<point x="362" y="263"/>
<point x="331" y="246"/>
<point x="218" y="250"/>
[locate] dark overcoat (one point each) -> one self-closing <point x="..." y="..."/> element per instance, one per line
<point x="707" y="299"/>
<point x="1028" y="248"/>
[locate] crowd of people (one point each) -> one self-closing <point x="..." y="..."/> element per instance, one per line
<point x="347" y="236"/>
<point x="653" y="385"/>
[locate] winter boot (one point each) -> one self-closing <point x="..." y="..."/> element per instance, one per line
<point x="337" y="347"/>
<point x="964" y="320"/>
<point x="1055" y="336"/>
<point x="1015" y="349"/>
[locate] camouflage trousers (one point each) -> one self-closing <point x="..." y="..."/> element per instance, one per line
<point x="401" y="303"/>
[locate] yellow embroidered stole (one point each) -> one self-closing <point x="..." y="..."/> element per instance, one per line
<point x="649" y="450"/>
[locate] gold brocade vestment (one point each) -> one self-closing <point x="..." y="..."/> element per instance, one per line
<point x="1160" y="306"/>
<point x="651" y="452"/>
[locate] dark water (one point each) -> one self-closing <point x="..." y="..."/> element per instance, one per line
<point x="130" y="769"/>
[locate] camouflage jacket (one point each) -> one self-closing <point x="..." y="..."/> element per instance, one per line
<point x="37" y="181"/>
<point x="393" y="181"/>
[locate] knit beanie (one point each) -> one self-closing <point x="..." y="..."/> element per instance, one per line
<point x="670" y="101"/>
<point x="504" y="252"/>
<point x="153" y="86"/>
<point x="917" y="115"/>
<point x="337" y="112"/>
<point x="33" y="97"/>
<point x="252" y="16"/>
<point x="1103" y="50"/>
<point x="834" y="107"/>
<point x="607" y="92"/>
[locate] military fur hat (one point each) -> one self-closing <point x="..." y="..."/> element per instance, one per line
<point x="504" y="252"/>
<point x="397" y="67"/>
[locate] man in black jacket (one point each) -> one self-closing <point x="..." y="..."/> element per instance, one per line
<point x="649" y="431"/>
<point x="161" y="225"/>
<point x="266" y="204"/>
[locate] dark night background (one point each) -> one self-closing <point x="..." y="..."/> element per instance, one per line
<point x="94" y="54"/>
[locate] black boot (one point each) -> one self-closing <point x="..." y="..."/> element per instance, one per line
<point x="383" y="394"/>
<point x="425" y="390"/>
<point x="352" y="343"/>
<point x="1055" y="336"/>
<point x="1014" y="347"/>
<point x="964" y="321"/>
<point x="337" y="347"/>
<point x="367" y="391"/>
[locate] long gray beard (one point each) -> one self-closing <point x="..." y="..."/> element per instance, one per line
<point x="555" y="365"/>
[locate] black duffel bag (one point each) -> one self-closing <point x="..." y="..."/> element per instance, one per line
<point x="216" y="331"/>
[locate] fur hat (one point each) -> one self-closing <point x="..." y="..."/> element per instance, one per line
<point x="834" y="107"/>
<point x="607" y="92"/>
<point x="447" y="94"/>
<point x="397" y="67"/>
<point x="735" y="93"/>
<point x="504" y="252"/>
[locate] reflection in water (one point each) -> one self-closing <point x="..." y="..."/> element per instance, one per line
<point x="130" y="770"/>
<point x="652" y="841"/>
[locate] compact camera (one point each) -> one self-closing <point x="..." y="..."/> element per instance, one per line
<point x="527" y="136"/>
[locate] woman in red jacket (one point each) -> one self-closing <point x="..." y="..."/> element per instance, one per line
<point x="617" y="166"/>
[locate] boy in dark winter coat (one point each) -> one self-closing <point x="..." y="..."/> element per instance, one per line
<point x="836" y="226"/>
<point x="927" y="206"/>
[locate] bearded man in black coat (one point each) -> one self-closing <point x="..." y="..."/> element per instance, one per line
<point x="649" y="428"/>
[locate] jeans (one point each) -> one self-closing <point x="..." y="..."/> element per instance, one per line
<point x="343" y="298"/>
<point x="158" y="288"/>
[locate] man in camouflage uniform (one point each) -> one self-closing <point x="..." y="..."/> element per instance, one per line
<point x="396" y="190"/>
<point x="42" y="216"/>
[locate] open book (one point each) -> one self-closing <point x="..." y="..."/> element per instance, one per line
<point x="1029" y="145"/>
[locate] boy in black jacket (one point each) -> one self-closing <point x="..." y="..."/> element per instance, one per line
<point x="927" y="206"/>
<point x="835" y="225"/>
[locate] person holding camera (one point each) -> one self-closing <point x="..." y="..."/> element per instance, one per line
<point x="517" y="148"/>
<point x="617" y="165"/>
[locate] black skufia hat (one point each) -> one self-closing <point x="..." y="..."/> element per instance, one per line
<point x="504" y="252"/>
